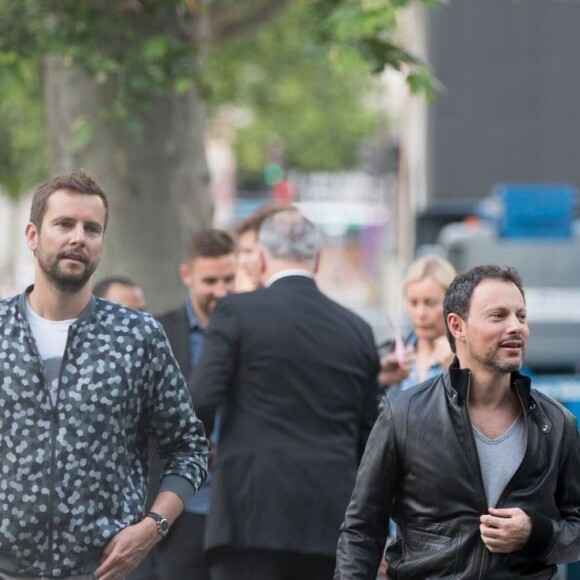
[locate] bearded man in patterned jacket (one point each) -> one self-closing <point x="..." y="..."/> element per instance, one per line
<point x="84" y="384"/>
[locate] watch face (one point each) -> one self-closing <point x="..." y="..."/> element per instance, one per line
<point x="162" y="523"/>
<point x="163" y="526"/>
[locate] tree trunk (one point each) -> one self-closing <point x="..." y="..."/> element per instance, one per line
<point x="157" y="183"/>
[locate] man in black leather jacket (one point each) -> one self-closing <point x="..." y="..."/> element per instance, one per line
<point x="480" y="471"/>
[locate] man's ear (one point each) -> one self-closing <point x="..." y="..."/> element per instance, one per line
<point x="263" y="276"/>
<point x="456" y="326"/>
<point x="185" y="273"/>
<point x="263" y="262"/>
<point x="316" y="264"/>
<point x="31" y="234"/>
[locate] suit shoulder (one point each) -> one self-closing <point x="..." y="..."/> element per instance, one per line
<point x="171" y="315"/>
<point x="243" y="299"/>
<point x="348" y="315"/>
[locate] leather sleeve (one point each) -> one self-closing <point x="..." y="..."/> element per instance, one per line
<point x="365" y="529"/>
<point x="565" y="539"/>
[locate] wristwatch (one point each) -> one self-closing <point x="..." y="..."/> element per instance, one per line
<point x="162" y="523"/>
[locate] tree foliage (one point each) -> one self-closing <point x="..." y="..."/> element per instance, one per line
<point x="287" y="89"/>
<point x="22" y="136"/>
<point x="370" y="28"/>
<point x="147" y="48"/>
<point x="150" y="48"/>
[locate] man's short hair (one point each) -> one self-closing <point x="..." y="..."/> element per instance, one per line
<point x="287" y="234"/>
<point x="253" y="222"/>
<point x="458" y="296"/>
<point x="76" y="182"/>
<point x="209" y="243"/>
<point x="102" y="287"/>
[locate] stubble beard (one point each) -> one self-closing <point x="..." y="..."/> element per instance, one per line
<point x="69" y="282"/>
<point x="492" y="361"/>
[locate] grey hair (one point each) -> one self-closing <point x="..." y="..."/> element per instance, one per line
<point x="287" y="234"/>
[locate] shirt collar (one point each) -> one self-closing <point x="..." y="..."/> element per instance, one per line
<point x="191" y="318"/>
<point x="286" y="273"/>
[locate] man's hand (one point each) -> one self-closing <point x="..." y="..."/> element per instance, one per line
<point x="505" y="530"/>
<point x="126" y="550"/>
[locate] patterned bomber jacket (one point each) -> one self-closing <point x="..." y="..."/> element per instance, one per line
<point x="74" y="474"/>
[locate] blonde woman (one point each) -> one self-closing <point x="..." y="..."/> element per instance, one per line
<point x="426" y="352"/>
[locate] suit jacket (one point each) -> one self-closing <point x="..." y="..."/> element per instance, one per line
<point x="294" y="375"/>
<point x="176" y="325"/>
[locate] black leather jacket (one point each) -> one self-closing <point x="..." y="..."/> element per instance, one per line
<point x="421" y="467"/>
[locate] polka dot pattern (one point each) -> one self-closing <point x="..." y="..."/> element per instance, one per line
<point x="74" y="474"/>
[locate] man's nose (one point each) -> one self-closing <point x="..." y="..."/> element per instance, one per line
<point x="516" y="324"/>
<point x="220" y="290"/>
<point x="78" y="234"/>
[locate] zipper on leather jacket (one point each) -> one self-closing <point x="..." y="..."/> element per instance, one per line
<point x="480" y="575"/>
<point x="484" y="555"/>
<point x="482" y="564"/>
<point x="526" y="424"/>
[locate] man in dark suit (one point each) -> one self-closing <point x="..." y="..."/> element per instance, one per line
<point x="208" y="272"/>
<point x="294" y="375"/>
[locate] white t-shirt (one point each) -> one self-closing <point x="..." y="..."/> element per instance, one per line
<point x="50" y="337"/>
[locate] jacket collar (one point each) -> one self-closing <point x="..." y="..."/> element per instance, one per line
<point x="84" y="315"/>
<point x="294" y="280"/>
<point x="459" y="380"/>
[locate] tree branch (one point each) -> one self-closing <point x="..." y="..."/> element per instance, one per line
<point x="237" y="18"/>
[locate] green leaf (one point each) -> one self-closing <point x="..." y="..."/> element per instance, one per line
<point x="182" y="85"/>
<point x="155" y="48"/>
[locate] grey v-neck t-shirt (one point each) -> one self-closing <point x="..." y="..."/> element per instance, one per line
<point x="500" y="458"/>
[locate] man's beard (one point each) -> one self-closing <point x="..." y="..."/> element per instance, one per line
<point x="491" y="360"/>
<point x="67" y="281"/>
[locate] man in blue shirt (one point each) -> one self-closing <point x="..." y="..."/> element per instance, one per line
<point x="208" y="272"/>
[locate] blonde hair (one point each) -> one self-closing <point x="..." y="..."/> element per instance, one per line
<point x="438" y="268"/>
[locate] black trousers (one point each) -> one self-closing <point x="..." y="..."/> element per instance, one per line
<point x="180" y="555"/>
<point x="250" y="564"/>
<point x="147" y="569"/>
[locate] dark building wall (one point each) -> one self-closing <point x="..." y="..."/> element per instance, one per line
<point x="510" y="110"/>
